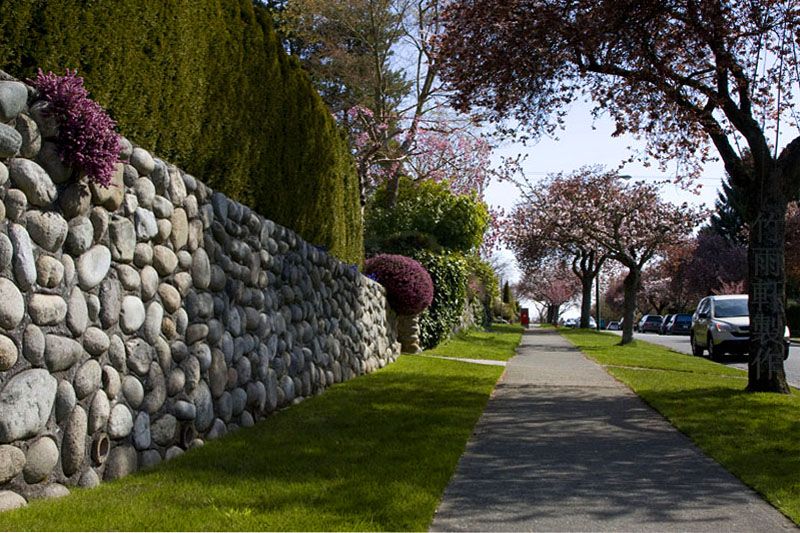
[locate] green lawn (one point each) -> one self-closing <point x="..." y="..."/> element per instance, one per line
<point x="498" y="344"/>
<point x="371" y="454"/>
<point x="755" y="436"/>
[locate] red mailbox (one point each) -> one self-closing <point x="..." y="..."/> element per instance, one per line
<point x="524" y="317"/>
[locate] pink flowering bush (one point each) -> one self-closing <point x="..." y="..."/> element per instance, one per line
<point x="409" y="287"/>
<point x="86" y="137"/>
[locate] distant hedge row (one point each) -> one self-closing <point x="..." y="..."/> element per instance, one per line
<point x="206" y="85"/>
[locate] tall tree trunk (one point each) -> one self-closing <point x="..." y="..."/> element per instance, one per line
<point x="631" y="287"/>
<point x="586" y="299"/>
<point x="767" y="297"/>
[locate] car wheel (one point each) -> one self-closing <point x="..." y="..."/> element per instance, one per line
<point x="697" y="351"/>
<point x="713" y="353"/>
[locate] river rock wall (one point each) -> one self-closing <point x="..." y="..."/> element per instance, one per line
<point x="138" y="321"/>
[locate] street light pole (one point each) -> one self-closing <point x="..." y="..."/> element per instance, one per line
<point x="597" y="297"/>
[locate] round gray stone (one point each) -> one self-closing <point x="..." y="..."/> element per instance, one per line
<point x="132" y="314"/>
<point x="133" y="390"/>
<point x="116" y="353"/>
<point x="162" y="207"/>
<point x="75" y="200"/>
<point x="149" y="458"/>
<point x="110" y="302"/>
<point x="32" y="179"/>
<point x="111" y="381"/>
<point x="61" y="353"/>
<point x="47" y="309"/>
<point x="80" y="235"/>
<point x="8" y="353"/>
<point x="122" y="239"/>
<point x="23" y="261"/>
<point x="176" y="380"/>
<point x="89" y="479"/>
<point x="87" y="379"/>
<point x="184" y="410"/>
<point x="31" y="137"/>
<point x="120" y="422"/>
<point x="95" y="341"/>
<point x="33" y="345"/>
<point x="13" y="99"/>
<point x="73" y="445"/>
<point x="145" y="192"/>
<point x="99" y="411"/>
<point x="47" y="229"/>
<point x="141" y="431"/>
<point x="125" y="149"/>
<point x="149" y="278"/>
<point x="77" y="312"/>
<point x="11" y="500"/>
<point x="164" y="230"/>
<point x="201" y="269"/>
<point x="173" y="452"/>
<point x="152" y="322"/>
<point x="41" y="459"/>
<point x="164" y="431"/>
<point x="49" y="271"/>
<point x="110" y="197"/>
<point x="12" y="461"/>
<point x="93" y="266"/>
<point x="145" y="223"/>
<point x="164" y="260"/>
<point x="13" y="308"/>
<point x="10" y="141"/>
<point x="140" y="355"/>
<point x="180" y="228"/>
<point x="170" y="297"/>
<point x="65" y="400"/>
<point x="143" y="255"/>
<point x="121" y="462"/>
<point x="6" y="252"/>
<point x="142" y="161"/>
<point x="15" y="203"/>
<point x="129" y="277"/>
<point x="155" y="391"/>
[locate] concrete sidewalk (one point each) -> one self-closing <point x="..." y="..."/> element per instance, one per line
<point x="562" y="446"/>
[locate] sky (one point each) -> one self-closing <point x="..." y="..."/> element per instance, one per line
<point x="585" y="141"/>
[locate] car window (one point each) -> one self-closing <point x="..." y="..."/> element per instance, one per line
<point x="704" y="305"/>
<point x="683" y="318"/>
<point x="730" y="308"/>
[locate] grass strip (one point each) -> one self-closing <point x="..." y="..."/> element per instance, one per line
<point x="497" y="344"/>
<point x="756" y="436"/>
<point x="371" y="454"/>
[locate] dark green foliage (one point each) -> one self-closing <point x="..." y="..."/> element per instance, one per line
<point x="427" y="216"/>
<point x="727" y="219"/>
<point x="449" y="275"/>
<point x="206" y="85"/>
<point x="507" y="293"/>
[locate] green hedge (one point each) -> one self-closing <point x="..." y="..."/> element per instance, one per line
<point x="206" y="85"/>
<point x="449" y="275"/>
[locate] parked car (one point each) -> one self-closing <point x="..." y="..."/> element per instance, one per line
<point x="721" y="324"/>
<point x="614" y="326"/>
<point x="680" y="324"/>
<point x="650" y="323"/>
<point x="663" y="329"/>
<point x="571" y="323"/>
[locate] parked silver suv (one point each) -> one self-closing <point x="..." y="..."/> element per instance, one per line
<point x="721" y="324"/>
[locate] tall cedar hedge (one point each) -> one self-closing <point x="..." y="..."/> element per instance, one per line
<point x="206" y="85"/>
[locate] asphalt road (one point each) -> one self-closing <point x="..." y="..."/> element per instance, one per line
<point x="680" y="343"/>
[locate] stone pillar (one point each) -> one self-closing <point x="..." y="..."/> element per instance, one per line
<point x="408" y="333"/>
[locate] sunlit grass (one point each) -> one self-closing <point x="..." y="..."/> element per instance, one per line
<point x="756" y="436"/>
<point x="372" y="454"/>
<point x="497" y="344"/>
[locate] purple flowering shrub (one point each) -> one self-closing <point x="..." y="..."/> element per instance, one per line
<point x="86" y="137"/>
<point x="409" y="287"/>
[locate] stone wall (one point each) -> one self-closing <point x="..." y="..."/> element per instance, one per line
<point x="140" y="320"/>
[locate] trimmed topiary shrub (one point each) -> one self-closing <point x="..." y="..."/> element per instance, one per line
<point x="206" y="85"/>
<point x="86" y="137"/>
<point x="409" y="287"/>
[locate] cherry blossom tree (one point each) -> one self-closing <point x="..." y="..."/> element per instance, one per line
<point x="552" y="282"/>
<point x="537" y="233"/>
<point x="628" y="221"/>
<point x="682" y="75"/>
